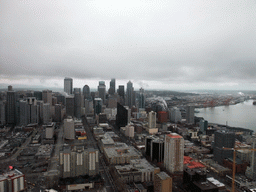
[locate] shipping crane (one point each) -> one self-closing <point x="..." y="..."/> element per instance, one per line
<point x="234" y="163"/>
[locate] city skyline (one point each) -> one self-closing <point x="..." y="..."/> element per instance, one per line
<point x="167" y="45"/>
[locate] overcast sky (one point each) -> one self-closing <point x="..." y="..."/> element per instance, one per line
<point x="175" y="45"/>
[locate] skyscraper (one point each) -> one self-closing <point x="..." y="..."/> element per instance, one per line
<point x="10" y="106"/>
<point x="175" y="115"/>
<point x="152" y="119"/>
<point x="121" y="116"/>
<point x="70" y="106"/>
<point x="68" y="85"/>
<point x="47" y="96"/>
<point x="86" y="92"/>
<point x="222" y="139"/>
<point x="77" y="102"/>
<point x="141" y="98"/>
<point x="79" y="161"/>
<point x="97" y="105"/>
<point x="121" y="94"/>
<point x="174" y="152"/>
<point x="130" y="94"/>
<point x="112" y="87"/>
<point x="190" y="114"/>
<point x="102" y="91"/>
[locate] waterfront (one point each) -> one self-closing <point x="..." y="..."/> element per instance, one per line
<point x="240" y="115"/>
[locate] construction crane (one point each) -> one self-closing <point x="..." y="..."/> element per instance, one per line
<point x="234" y="163"/>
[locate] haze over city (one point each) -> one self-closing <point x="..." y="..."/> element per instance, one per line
<point x="174" y="45"/>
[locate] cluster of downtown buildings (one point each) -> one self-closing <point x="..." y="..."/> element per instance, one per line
<point x="147" y="145"/>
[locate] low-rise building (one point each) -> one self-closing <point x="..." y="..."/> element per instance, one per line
<point x="139" y="170"/>
<point x="121" y="155"/>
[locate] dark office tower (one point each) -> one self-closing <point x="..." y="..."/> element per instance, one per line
<point x="38" y="95"/>
<point x="2" y="113"/>
<point x="23" y="112"/>
<point x="121" y="94"/>
<point x="61" y="99"/>
<point x="102" y="91"/>
<point x="33" y="110"/>
<point x="141" y="98"/>
<point x="223" y="139"/>
<point x="130" y="94"/>
<point x="121" y="116"/>
<point x="68" y="85"/>
<point x="112" y="88"/>
<point x="70" y="106"/>
<point x="29" y="111"/>
<point x="58" y="113"/>
<point x="97" y="105"/>
<point x="10" y="106"/>
<point x="77" y="90"/>
<point x="77" y="102"/>
<point x="47" y="96"/>
<point x="190" y="114"/>
<point x="86" y="92"/>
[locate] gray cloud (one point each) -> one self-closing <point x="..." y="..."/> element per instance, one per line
<point x="184" y="42"/>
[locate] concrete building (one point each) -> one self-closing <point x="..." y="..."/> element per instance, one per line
<point x="251" y="171"/>
<point x="69" y="128"/>
<point x="162" y="182"/>
<point x="12" y="181"/>
<point x="223" y="139"/>
<point x="68" y="85"/>
<point x="139" y="170"/>
<point x="174" y="153"/>
<point x="79" y="161"/>
<point x="10" y="106"/>
<point x="175" y="115"/>
<point x="152" y="119"/>
<point x="47" y="96"/>
<point x="121" y="155"/>
<point x="190" y="111"/>
<point x="49" y="130"/>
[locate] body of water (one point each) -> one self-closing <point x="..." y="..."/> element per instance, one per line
<point x="240" y="115"/>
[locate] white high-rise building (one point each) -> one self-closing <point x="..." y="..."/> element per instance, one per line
<point x="69" y="128"/>
<point x="175" y="115"/>
<point x="79" y="161"/>
<point x="152" y="119"/>
<point x="68" y="85"/>
<point x="174" y="152"/>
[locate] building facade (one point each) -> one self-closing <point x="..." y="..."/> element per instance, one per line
<point x="78" y="161"/>
<point x="174" y="153"/>
<point x="68" y="85"/>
